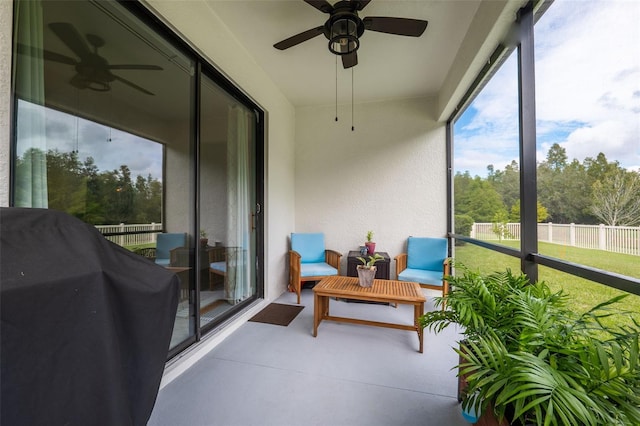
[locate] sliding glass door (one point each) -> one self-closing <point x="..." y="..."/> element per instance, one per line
<point x="108" y="129"/>
<point x="227" y="202"/>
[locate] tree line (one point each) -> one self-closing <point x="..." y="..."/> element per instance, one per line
<point x="593" y="191"/>
<point x="100" y="198"/>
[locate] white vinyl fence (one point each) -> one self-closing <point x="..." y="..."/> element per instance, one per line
<point x="617" y="239"/>
<point x="131" y="235"/>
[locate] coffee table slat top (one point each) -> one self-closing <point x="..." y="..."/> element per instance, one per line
<point x="385" y="290"/>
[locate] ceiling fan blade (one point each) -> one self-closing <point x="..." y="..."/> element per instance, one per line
<point x="56" y="57"/>
<point x="299" y="38"/>
<point x="399" y="26"/>
<point x="322" y="5"/>
<point x="135" y="67"/>
<point x="71" y="37"/>
<point x="46" y="54"/>
<point x="361" y="3"/>
<point x="135" y="86"/>
<point x="350" y="60"/>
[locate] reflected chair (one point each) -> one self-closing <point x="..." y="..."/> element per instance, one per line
<point x="165" y="243"/>
<point x="310" y="261"/>
<point x="147" y="253"/>
<point x="226" y="264"/>
<point x="217" y="265"/>
<point x="425" y="262"/>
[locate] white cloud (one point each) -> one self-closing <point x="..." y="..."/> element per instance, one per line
<point x="587" y="89"/>
<point x="617" y="140"/>
<point x="588" y="72"/>
<point x="491" y="136"/>
<point x="110" y="148"/>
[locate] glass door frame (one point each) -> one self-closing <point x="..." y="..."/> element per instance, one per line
<point x="203" y="67"/>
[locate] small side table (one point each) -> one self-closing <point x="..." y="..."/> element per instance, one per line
<point x="383" y="265"/>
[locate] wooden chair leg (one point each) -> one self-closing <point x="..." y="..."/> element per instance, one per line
<point x="296" y="286"/>
<point x="445" y="291"/>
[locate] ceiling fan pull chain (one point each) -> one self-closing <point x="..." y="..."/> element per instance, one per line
<point x="336" y="88"/>
<point x="77" y="119"/>
<point x="110" y="113"/>
<point x="352" y="128"/>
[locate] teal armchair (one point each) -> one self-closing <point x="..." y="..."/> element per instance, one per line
<point x="310" y="261"/>
<point x="425" y="262"/>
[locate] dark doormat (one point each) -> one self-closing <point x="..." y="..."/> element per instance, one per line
<point x="277" y="314"/>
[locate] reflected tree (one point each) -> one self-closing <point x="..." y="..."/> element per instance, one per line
<point x="99" y="198"/>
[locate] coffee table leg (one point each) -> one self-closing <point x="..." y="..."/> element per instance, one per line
<point x="418" y="311"/>
<point x="320" y="311"/>
<point x="316" y="313"/>
<point x="325" y="307"/>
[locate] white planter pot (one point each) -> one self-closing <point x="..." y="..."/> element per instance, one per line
<point x="366" y="276"/>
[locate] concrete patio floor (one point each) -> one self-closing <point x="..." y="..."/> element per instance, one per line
<point x="266" y="374"/>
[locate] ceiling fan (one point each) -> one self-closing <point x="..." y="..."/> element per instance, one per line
<point x="92" y="70"/>
<point x="344" y="28"/>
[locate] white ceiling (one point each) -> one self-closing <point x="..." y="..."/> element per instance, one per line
<point x="441" y="64"/>
<point x="389" y="66"/>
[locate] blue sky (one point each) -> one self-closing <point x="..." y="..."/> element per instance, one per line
<point x="587" y="91"/>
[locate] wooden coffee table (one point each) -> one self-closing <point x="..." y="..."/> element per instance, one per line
<point x="403" y="292"/>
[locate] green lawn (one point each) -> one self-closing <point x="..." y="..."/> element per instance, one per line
<point x="139" y="246"/>
<point x="583" y="293"/>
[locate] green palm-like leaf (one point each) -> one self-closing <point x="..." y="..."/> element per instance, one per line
<point x="525" y="353"/>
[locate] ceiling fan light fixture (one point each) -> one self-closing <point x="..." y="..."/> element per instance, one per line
<point x="98" y="86"/>
<point x="344" y="45"/>
<point x="82" y="82"/>
<point x="344" y="28"/>
<point x="344" y="36"/>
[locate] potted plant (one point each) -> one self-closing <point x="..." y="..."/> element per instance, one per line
<point x="371" y="246"/>
<point x="203" y="238"/>
<point x="528" y="359"/>
<point x="367" y="271"/>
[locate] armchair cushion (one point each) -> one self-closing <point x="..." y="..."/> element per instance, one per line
<point x="309" y="246"/>
<point x="165" y="243"/>
<point x="426" y="253"/>
<point x="219" y="267"/>
<point x="317" y="270"/>
<point x="163" y="262"/>
<point x="421" y="276"/>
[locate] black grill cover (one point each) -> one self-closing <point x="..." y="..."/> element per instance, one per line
<point x="86" y="324"/>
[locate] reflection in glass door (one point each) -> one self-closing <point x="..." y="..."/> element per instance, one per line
<point x="118" y="150"/>
<point x="109" y="141"/>
<point x="227" y="204"/>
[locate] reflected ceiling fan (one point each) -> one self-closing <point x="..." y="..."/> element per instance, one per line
<point x="92" y="70"/>
<point x="344" y="28"/>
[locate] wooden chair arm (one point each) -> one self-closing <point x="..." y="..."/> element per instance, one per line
<point x="179" y="256"/>
<point x="446" y="271"/>
<point x="446" y="266"/>
<point x="332" y="257"/>
<point x="294" y="266"/>
<point x="216" y="254"/>
<point x="295" y="258"/>
<point x="401" y="262"/>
